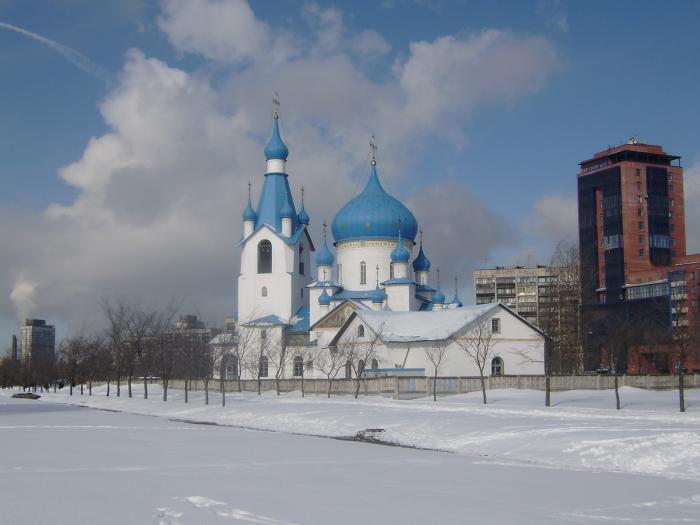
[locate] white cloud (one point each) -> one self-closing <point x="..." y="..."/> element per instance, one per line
<point x="160" y="194"/>
<point x="554" y="217"/>
<point x="22" y="296"/>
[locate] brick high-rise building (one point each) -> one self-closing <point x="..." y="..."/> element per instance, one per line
<point x="632" y="240"/>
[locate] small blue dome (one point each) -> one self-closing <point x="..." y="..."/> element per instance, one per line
<point x="377" y="296"/>
<point x="439" y="297"/>
<point x="276" y="149"/>
<point x="324" y="257"/>
<point x="421" y="263"/>
<point x="374" y="214"/>
<point x="303" y="217"/>
<point x="249" y="213"/>
<point x="287" y="212"/>
<point x="400" y="254"/>
<point x="324" y="299"/>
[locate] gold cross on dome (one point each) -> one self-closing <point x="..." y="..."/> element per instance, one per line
<point x="373" y="150"/>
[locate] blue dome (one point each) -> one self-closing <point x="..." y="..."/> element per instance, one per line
<point x="249" y="213"/>
<point x="400" y="254"/>
<point x="276" y="149"/>
<point x="421" y="263"/>
<point x="377" y="296"/>
<point x="324" y="257"/>
<point x="439" y="297"/>
<point x="374" y="214"/>
<point x="324" y="299"/>
<point x="303" y="217"/>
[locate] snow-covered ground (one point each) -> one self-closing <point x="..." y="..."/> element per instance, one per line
<point x="63" y="464"/>
<point x="582" y="431"/>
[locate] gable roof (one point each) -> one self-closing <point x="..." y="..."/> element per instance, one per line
<point x="404" y="327"/>
<point x="289" y="240"/>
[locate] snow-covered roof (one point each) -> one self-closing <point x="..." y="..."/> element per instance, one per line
<point x="224" y="339"/>
<point x="423" y="326"/>
<point x="268" y="320"/>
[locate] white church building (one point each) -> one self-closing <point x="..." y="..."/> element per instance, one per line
<point x="371" y="301"/>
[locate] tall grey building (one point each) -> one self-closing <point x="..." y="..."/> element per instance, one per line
<point x="36" y="336"/>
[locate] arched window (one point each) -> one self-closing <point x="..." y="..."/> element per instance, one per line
<point x="363" y="273"/>
<point x="264" y="256"/>
<point x="360" y="367"/>
<point x="301" y="262"/>
<point x="348" y="370"/>
<point x="497" y="366"/>
<point x="298" y="366"/>
<point x="263" y="366"/>
<point x="264" y="291"/>
<point x="231" y="367"/>
<point x="360" y="331"/>
<point x="375" y="364"/>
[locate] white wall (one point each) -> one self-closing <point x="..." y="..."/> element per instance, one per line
<point x="350" y="254"/>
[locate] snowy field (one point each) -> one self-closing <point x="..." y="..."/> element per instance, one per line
<point x="515" y="462"/>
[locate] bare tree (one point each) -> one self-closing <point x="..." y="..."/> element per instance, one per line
<point x="72" y="352"/>
<point x="437" y="355"/>
<point x="258" y="362"/>
<point x="329" y="361"/>
<point x="477" y="345"/>
<point x="164" y="339"/>
<point x="361" y="348"/>
<point x="118" y="336"/>
<point x="278" y="358"/>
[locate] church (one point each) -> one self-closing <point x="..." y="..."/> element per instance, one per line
<point x="369" y="302"/>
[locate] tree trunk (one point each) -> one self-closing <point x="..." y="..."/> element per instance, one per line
<point x="238" y="381"/>
<point x="54" y="387"/>
<point x="81" y="388"/>
<point x="186" y="389"/>
<point x="145" y="386"/>
<point x="617" y="392"/>
<point x="119" y="385"/>
<point x="222" y="387"/>
<point x="357" y="387"/>
<point x="206" y="390"/>
<point x="165" y="389"/>
<point x="547" y="391"/>
<point x="71" y="387"/>
<point x="277" y="384"/>
<point x="129" y="383"/>
<point x="681" y="388"/>
<point x="259" y="384"/>
<point x="108" y="378"/>
<point x="90" y="387"/>
<point x="302" y="383"/>
<point x="435" y="386"/>
<point x="330" y="383"/>
<point x="483" y="387"/>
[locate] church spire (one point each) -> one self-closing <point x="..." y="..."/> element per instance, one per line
<point x="276" y="149"/>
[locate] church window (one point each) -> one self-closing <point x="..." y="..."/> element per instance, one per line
<point x="298" y="366"/>
<point x="264" y="291"/>
<point x="360" y="331"/>
<point x="348" y="370"/>
<point x="265" y="256"/>
<point x="262" y="372"/>
<point x="301" y="263"/>
<point x="375" y="364"/>
<point x="363" y="273"/>
<point x="497" y="366"/>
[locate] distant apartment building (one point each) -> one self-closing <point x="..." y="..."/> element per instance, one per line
<point x="520" y="288"/>
<point x="633" y="245"/>
<point x="35" y="337"/>
<point x="546" y="296"/>
<point x="194" y="329"/>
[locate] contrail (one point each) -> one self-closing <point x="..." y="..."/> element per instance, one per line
<point x="74" y="57"/>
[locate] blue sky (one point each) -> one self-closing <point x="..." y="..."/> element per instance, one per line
<point x="618" y="69"/>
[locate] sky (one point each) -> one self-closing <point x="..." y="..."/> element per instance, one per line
<point x="130" y="129"/>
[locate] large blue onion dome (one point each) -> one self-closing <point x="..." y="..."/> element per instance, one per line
<point x="249" y="213"/>
<point x="374" y="214"/>
<point x="276" y="149"/>
<point x="324" y="299"/>
<point x="421" y="263"/>
<point x="439" y="297"/>
<point x="324" y="257"/>
<point x="303" y="217"/>
<point x="377" y="296"/>
<point x="400" y="254"/>
<point x="287" y="212"/>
